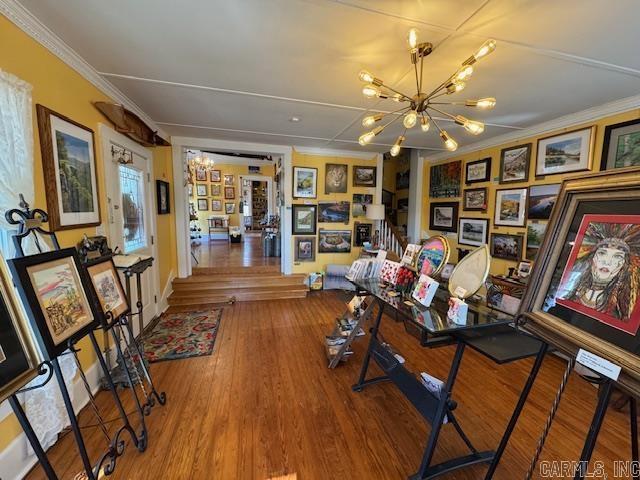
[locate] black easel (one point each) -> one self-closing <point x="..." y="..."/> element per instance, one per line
<point x="29" y="223"/>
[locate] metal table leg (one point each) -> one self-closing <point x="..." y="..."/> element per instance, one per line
<point x="367" y="357"/>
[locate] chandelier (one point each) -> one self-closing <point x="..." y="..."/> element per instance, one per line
<point x="422" y="105"/>
<point x="202" y="161"/>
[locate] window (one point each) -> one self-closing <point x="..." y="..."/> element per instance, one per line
<point x="132" y="188"/>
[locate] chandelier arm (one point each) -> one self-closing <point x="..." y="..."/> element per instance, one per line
<point x="395" y="119"/>
<point x="441" y="86"/>
<point x="396" y="91"/>
<point x="437" y="96"/>
<point x="396" y="111"/>
<point x="433" y="121"/>
<point x="415" y="68"/>
<point x="421" y="71"/>
<point x="442" y="112"/>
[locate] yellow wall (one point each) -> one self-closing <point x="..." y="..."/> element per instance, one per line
<point x="319" y="162"/>
<point x="499" y="266"/>
<point x="165" y="224"/>
<point x="62" y="89"/>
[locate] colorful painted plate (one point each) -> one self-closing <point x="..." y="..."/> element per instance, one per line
<point x="433" y="256"/>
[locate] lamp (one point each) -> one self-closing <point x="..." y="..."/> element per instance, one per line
<point x="375" y="211"/>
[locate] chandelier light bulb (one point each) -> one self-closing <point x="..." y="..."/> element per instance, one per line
<point x="486" y="48"/>
<point x="483" y="103"/>
<point x="397" y="97"/>
<point x="370" y="91"/>
<point x="370" y="120"/>
<point x="424" y="124"/>
<point x="366" y="138"/>
<point x="471" y="126"/>
<point x="449" y="143"/>
<point x="412" y="38"/>
<point x="455" y="87"/>
<point x="463" y="74"/>
<point x="395" y="150"/>
<point x="366" y="76"/>
<point x="410" y="119"/>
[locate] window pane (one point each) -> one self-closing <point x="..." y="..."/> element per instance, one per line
<point x="132" y="188"/>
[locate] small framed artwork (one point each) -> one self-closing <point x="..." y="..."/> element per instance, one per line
<point x="203" y="204"/>
<point x="473" y="231"/>
<point x="475" y="199"/>
<point x="445" y="179"/>
<point x="535" y="235"/>
<point x="524" y="269"/>
<point x="568" y="152"/>
<point x="18" y="355"/>
<point x="511" y="207"/>
<point x="52" y="291"/>
<point x="514" y="163"/>
<point x="359" y="204"/>
<point x="443" y="216"/>
<point x="364" y="176"/>
<point x="333" y="212"/>
<point x="229" y="180"/>
<point x="69" y="165"/>
<point x="214" y="175"/>
<point x="478" y="171"/>
<point x="361" y="233"/>
<point x="216" y="205"/>
<point x="216" y="190"/>
<point x="506" y="246"/>
<point x="229" y="193"/>
<point x="305" y="250"/>
<point x="162" y="197"/>
<point x="335" y="178"/>
<point x="305" y="182"/>
<point x="334" y="241"/>
<point x="229" y="208"/>
<point x="542" y="198"/>
<point x="201" y="174"/>
<point x="108" y="290"/>
<point x="403" y="204"/>
<point x="201" y="190"/>
<point x="621" y="146"/>
<point x="304" y="219"/>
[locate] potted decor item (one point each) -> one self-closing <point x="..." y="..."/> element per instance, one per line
<point x="404" y="281"/>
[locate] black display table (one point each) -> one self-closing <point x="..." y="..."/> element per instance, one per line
<point x="486" y="331"/>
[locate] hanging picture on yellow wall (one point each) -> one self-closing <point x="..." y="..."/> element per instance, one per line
<point x="511" y="207"/>
<point x="228" y="180"/>
<point x="569" y="152"/>
<point x="621" y="146"/>
<point x="514" y="164"/>
<point x="335" y="178"/>
<point x="445" y="179"/>
<point x="305" y="182"/>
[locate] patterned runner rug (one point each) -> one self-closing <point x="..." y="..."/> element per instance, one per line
<point x="182" y="335"/>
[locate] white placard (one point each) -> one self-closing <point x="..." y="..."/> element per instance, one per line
<point x="598" y="364"/>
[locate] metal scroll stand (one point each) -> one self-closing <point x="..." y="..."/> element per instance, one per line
<point x="29" y="222"/>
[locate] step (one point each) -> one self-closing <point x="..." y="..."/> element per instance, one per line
<point x="202" y="282"/>
<point x="235" y="291"/>
<point x="245" y="295"/>
<point x="226" y="270"/>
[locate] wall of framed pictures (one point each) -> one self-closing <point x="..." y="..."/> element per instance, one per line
<point x="513" y="186"/>
<point x="329" y="201"/>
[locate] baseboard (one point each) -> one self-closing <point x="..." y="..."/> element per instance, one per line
<point x="168" y="290"/>
<point x="15" y="463"/>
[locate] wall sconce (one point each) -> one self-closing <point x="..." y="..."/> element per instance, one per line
<point x="121" y="155"/>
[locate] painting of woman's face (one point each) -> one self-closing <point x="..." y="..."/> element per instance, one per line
<point x="607" y="263"/>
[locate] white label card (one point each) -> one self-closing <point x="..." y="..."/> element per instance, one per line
<point x="459" y="292"/>
<point x="598" y="364"/>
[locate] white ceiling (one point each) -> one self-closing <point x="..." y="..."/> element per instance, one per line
<point x="239" y="69"/>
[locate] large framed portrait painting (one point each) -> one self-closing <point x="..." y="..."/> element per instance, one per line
<point x="69" y="165"/>
<point x="584" y="291"/>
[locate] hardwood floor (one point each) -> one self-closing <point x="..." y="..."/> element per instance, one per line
<point x="264" y="405"/>
<point x="221" y="253"/>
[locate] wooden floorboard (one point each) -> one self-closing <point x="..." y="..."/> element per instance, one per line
<point x="265" y="405"/>
<point x="222" y="253"/>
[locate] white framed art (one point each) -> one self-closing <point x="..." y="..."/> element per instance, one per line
<point x="511" y="207"/>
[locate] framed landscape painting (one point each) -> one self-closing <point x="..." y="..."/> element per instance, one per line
<point x="334" y="241"/>
<point x="511" y="207"/>
<point x="478" y="171"/>
<point x="52" y="291"/>
<point x="364" y="176"/>
<point x="535" y="235"/>
<point x="569" y="152"/>
<point x="335" y="178"/>
<point x="444" y="180"/>
<point x="475" y="199"/>
<point x="69" y="165"/>
<point x="359" y="204"/>
<point x="333" y="212"/>
<point x="621" y="146"/>
<point x="108" y="288"/>
<point x="542" y="198"/>
<point x="305" y="182"/>
<point x="304" y="219"/>
<point x="305" y="250"/>
<point x="514" y="163"/>
<point x="506" y="246"/>
<point x="443" y="216"/>
<point x="473" y="231"/>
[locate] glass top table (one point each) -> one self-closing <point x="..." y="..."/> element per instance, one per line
<point x="434" y="319"/>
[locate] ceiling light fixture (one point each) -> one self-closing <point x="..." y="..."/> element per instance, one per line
<point x="294" y="119"/>
<point x="422" y="105"/>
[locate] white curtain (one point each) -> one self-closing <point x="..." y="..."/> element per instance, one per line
<point x="43" y="406"/>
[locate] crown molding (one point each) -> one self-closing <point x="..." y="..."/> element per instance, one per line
<point x="33" y="27"/>
<point x="566" y="121"/>
<point x="332" y="152"/>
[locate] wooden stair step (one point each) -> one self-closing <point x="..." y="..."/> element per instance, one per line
<point x="245" y="283"/>
<point x="231" y="291"/>
<point x="236" y="270"/>
<point x="239" y="296"/>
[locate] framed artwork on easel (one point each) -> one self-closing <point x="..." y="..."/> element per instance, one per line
<point x="107" y="288"/>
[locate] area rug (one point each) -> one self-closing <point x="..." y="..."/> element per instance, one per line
<point x="182" y="335"/>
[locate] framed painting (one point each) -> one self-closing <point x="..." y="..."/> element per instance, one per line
<point x="18" y="354"/>
<point x="216" y="205"/>
<point x="51" y="286"/>
<point x="433" y="256"/>
<point x="333" y="212"/>
<point x="511" y="207"/>
<point x="364" y="176"/>
<point x="335" y="178"/>
<point x="514" y="164"/>
<point x="361" y="233"/>
<point x="203" y="204"/>
<point x="565" y="153"/>
<point x="507" y="246"/>
<point x="359" y="204"/>
<point x="535" y="235"/>
<point x="304" y="219"/>
<point x="229" y="208"/>
<point x="305" y="182"/>
<point x="201" y="174"/>
<point x="69" y="166"/>
<point x="229" y="180"/>
<point x="107" y="289"/>
<point x="216" y="190"/>
<point x="334" y="241"/>
<point x="402" y="179"/>
<point x="214" y="176"/>
<point x="229" y="193"/>
<point x="305" y="249"/>
<point x="542" y="198"/>
<point x="621" y="146"/>
<point x="584" y="291"/>
<point x="444" y="180"/>
<point x="201" y="190"/>
<point x="478" y="171"/>
<point x="443" y="216"/>
<point x="475" y="199"/>
<point x="162" y="197"/>
<point x="402" y="204"/>
<point x="473" y="231"/>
